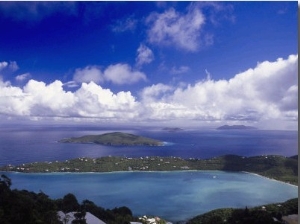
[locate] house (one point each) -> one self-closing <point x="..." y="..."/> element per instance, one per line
<point x="69" y="217"/>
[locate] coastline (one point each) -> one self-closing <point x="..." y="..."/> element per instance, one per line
<point x="259" y="165"/>
<point x="150" y="171"/>
<point x="270" y="178"/>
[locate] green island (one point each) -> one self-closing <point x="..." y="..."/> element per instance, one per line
<point x="272" y="166"/>
<point x="114" y="139"/>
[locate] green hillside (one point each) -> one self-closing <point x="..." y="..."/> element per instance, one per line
<point x="272" y="166"/>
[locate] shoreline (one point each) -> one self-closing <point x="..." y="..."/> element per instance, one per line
<point x="262" y="166"/>
<point x="153" y="171"/>
<point x="269" y="178"/>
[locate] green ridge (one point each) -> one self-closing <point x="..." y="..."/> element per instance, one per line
<point x="272" y="166"/>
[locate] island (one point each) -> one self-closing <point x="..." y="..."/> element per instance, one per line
<point x="172" y="129"/>
<point x="236" y="127"/>
<point x="272" y="166"/>
<point x="115" y="139"/>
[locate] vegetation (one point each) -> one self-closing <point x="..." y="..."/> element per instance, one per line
<point x="276" y="167"/>
<point x="32" y="208"/>
<point x="266" y="214"/>
<point x="114" y="139"/>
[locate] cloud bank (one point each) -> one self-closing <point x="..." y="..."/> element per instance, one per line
<point x="268" y="91"/>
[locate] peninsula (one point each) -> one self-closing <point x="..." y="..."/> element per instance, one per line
<point x="114" y="139"/>
<point x="272" y="166"/>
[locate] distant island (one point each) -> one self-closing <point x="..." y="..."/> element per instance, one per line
<point x="172" y="129"/>
<point x="276" y="167"/>
<point x="115" y="139"/>
<point x="235" y="127"/>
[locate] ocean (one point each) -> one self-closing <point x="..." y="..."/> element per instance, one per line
<point x="174" y="196"/>
<point x="19" y="146"/>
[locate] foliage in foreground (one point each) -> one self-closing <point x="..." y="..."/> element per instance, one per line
<point x="257" y="215"/>
<point x="31" y="208"/>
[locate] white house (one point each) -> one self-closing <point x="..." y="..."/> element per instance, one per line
<point x="69" y="217"/>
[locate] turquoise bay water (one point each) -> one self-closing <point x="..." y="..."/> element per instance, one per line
<point x="174" y="196"/>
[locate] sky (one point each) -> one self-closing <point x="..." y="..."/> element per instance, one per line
<point x="172" y="64"/>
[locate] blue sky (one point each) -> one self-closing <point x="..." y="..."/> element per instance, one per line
<point x="141" y="63"/>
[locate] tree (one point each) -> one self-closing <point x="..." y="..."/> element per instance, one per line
<point x="70" y="203"/>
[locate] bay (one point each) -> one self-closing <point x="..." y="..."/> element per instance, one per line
<point x="175" y="196"/>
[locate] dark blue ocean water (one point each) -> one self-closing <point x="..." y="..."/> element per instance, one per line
<point x="38" y="144"/>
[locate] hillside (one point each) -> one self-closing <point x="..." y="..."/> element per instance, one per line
<point x="260" y="214"/>
<point x="276" y="167"/>
<point x="114" y="139"/>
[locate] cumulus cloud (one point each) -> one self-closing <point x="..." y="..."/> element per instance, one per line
<point x="144" y="55"/>
<point x="23" y="77"/>
<point x="123" y="74"/>
<point x="37" y="99"/>
<point x="119" y="74"/>
<point x="88" y="74"/>
<point x="176" y="29"/>
<point x="267" y="92"/>
<point x="154" y="92"/>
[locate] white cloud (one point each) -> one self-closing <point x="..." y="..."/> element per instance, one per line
<point x="71" y="84"/>
<point x="123" y="74"/>
<point x="269" y="91"/>
<point x="12" y="66"/>
<point x="88" y="74"/>
<point x="21" y="78"/>
<point x="144" y="55"/>
<point x="180" y="70"/>
<point x="3" y="65"/>
<point x="119" y="74"/>
<point x="265" y="93"/>
<point x="128" y="24"/>
<point x="38" y="100"/>
<point x="176" y="29"/>
<point x="154" y="92"/>
<point x="35" y="11"/>
<point x="94" y="101"/>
